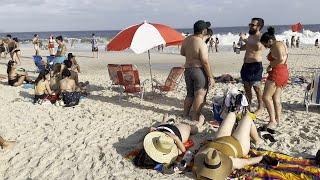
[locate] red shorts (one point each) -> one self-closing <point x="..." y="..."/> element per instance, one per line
<point x="51" y="46"/>
<point x="279" y="74"/>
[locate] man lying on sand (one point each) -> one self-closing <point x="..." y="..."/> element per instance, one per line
<point x="218" y="158"/>
<point x="6" y="144"/>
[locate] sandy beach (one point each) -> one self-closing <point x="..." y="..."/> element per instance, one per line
<point x="90" y="141"/>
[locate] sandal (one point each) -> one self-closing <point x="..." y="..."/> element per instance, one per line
<point x="269" y="137"/>
<point x="265" y="128"/>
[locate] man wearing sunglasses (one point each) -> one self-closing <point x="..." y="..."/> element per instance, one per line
<point x="251" y="72"/>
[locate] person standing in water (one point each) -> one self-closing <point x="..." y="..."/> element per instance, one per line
<point x="292" y="42"/>
<point x="298" y="42"/>
<point x="216" y="44"/>
<point x="94" y="44"/>
<point x="251" y="72"/>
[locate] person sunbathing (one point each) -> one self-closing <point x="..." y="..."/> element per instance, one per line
<point x="226" y="152"/>
<point x="16" y="77"/>
<point x="165" y="142"/>
<point x="4" y="144"/>
<point x="42" y="86"/>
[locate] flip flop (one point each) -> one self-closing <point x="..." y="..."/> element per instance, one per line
<point x="269" y="137"/>
<point x="269" y="161"/>
<point x="265" y="128"/>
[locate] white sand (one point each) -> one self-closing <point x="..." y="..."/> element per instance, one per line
<point x="91" y="140"/>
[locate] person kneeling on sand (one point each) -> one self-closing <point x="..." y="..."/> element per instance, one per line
<point x="6" y="144"/>
<point x="17" y="77"/>
<point x="68" y="89"/>
<point x="74" y="75"/>
<point x="165" y="142"/>
<point x="218" y="158"/>
<point x="42" y="87"/>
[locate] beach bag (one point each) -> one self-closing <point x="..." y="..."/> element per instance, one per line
<point x="142" y="160"/>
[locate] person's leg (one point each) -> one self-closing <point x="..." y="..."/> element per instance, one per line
<point x="198" y="103"/>
<point x="259" y="92"/>
<point x="226" y="126"/>
<point x="195" y="128"/>
<point x="6" y="144"/>
<point x="20" y="81"/>
<point x="248" y="91"/>
<point x="277" y="104"/>
<point x="187" y="106"/>
<point x="268" y="93"/>
<point x="242" y="133"/>
<point x="185" y="131"/>
<point x="190" y="92"/>
<point x="255" y="135"/>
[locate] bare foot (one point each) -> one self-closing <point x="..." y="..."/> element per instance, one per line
<point x="258" y="111"/>
<point x="259" y="143"/>
<point x="8" y="145"/>
<point x="272" y="125"/>
<point x="165" y="117"/>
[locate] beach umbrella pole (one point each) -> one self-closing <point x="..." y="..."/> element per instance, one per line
<point x="150" y="67"/>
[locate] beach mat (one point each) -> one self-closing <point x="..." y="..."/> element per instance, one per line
<point x="289" y="167"/>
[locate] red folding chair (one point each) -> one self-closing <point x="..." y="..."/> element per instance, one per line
<point x="130" y="80"/>
<point x="172" y="80"/>
<point x="114" y="68"/>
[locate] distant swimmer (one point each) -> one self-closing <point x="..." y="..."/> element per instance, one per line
<point x="287" y="43"/>
<point x="94" y="44"/>
<point x="316" y="43"/>
<point x="298" y="42"/>
<point x="293" y="44"/>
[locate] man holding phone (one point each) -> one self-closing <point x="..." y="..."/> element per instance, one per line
<point x="251" y="72"/>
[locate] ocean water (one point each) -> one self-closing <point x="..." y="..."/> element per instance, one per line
<point x="226" y="35"/>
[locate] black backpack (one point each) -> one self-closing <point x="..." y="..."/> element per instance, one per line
<point x="142" y="160"/>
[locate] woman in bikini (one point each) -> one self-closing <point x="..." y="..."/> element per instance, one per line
<point x="42" y="87"/>
<point x="277" y="78"/>
<point x="51" y="45"/>
<point x="17" y="77"/>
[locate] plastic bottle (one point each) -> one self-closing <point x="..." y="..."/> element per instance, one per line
<point x="182" y="165"/>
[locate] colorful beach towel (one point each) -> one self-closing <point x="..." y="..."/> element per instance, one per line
<point x="289" y="168"/>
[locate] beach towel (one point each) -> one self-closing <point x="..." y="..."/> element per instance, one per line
<point x="289" y="167"/>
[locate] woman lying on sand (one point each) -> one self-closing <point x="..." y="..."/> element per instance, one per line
<point x="165" y="142"/>
<point x="278" y="76"/>
<point x="42" y="86"/>
<point x="218" y="158"/>
<point x="6" y="144"/>
<point x="16" y="77"/>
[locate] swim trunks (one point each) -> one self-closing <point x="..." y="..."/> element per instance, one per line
<point x="252" y="72"/>
<point x="195" y="79"/>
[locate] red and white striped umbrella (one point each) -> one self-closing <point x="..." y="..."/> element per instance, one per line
<point x="142" y="37"/>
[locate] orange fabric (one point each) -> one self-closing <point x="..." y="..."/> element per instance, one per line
<point x="130" y="80"/>
<point x="171" y="81"/>
<point x="171" y="36"/>
<point x="279" y="74"/>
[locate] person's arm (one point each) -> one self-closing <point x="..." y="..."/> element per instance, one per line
<point x="178" y="142"/>
<point x="239" y="163"/>
<point x="48" y="88"/>
<point x="204" y="58"/>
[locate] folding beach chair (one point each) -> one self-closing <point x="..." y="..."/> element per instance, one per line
<point x="172" y="80"/>
<point x="113" y="69"/>
<point x="41" y="65"/>
<point x="312" y="93"/>
<point x="130" y="81"/>
<point x="50" y="61"/>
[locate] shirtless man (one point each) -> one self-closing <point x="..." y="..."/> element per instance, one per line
<point x="11" y="45"/>
<point x="198" y="75"/>
<point x="36" y="44"/>
<point x="251" y="72"/>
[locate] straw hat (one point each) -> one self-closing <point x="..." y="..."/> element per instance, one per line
<point x="212" y="164"/>
<point x="160" y="147"/>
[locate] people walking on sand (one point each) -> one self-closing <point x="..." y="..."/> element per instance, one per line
<point x="51" y="45"/>
<point x="316" y="43"/>
<point x="277" y="78"/>
<point x="298" y="42"/>
<point x="227" y="151"/>
<point x="216" y="43"/>
<point x="94" y="45"/>
<point x="36" y="44"/>
<point x="293" y="42"/>
<point x="7" y="145"/>
<point x="60" y="55"/>
<point x="287" y="43"/>
<point x="198" y="74"/>
<point x="16" y="51"/>
<point x="251" y="72"/>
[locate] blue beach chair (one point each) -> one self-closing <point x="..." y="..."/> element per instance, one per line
<point x="39" y="63"/>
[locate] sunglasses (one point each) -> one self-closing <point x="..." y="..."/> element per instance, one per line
<point x="252" y="25"/>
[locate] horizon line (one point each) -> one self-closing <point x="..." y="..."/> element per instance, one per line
<point x="128" y="26"/>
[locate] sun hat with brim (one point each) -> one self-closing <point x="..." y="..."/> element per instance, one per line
<point x="160" y="147"/>
<point x="212" y="164"/>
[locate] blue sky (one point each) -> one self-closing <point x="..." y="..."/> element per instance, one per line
<point x="50" y="15"/>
